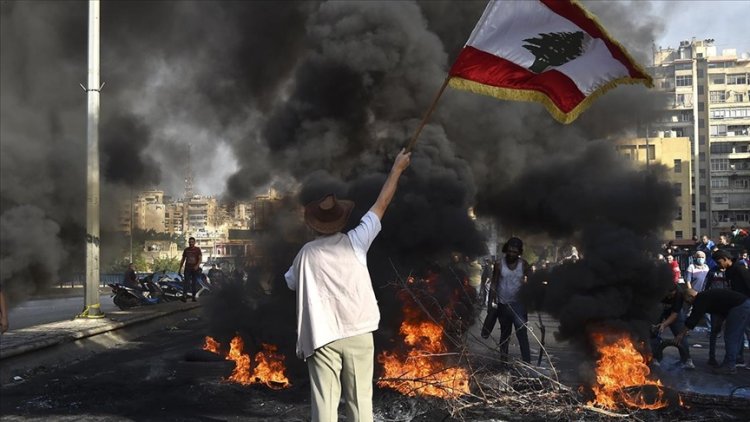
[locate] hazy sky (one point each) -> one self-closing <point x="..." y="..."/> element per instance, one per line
<point x="726" y="21"/>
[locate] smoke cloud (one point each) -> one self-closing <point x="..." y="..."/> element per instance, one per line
<point x="317" y="96"/>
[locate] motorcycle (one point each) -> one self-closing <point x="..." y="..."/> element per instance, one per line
<point x="171" y="285"/>
<point x="174" y="286"/>
<point x="126" y="297"/>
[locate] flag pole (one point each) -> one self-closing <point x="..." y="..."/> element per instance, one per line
<point x="427" y="115"/>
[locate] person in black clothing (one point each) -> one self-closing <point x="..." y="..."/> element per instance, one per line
<point x="131" y="279"/>
<point x="715" y="279"/>
<point x="673" y="318"/>
<point x="216" y="275"/>
<point x="738" y="277"/>
<point x="733" y="306"/>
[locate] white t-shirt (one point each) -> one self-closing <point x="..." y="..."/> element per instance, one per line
<point x="335" y="298"/>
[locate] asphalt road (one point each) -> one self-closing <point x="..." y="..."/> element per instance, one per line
<point x="164" y="376"/>
<point x="43" y="311"/>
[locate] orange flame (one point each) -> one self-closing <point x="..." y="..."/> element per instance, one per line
<point x="269" y="366"/>
<point x="620" y="366"/>
<point x="422" y="372"/>
<point x="211" y="345"/>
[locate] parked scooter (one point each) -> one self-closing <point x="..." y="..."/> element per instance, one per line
<point x="172" y="286"/>
<point x="126" y="297"/>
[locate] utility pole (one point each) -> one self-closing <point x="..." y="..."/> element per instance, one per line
<point x="92" y="307"/>
<point x="131" y="224"/>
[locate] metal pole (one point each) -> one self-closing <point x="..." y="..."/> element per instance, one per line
<point x="131" y="224"/>
<point x="92" y="307"/>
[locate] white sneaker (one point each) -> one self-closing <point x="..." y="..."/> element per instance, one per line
<point x="688" y="364"/>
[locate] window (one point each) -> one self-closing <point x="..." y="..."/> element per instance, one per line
<point x="701" y="106"/>
<point x="717" y="130"/>
<point x="719" y="182"/>
<point x="701" y="123"/>
<point x="738" y="97"/>
<point x="703" y="223"/>
<point x="678" y="217"/>
<point x="718" y="80"/>
<point x="741" y="217"/>
<point x="721" y="148"/>
<point x="678" y="166"/>
<point x="702" y="139"/>
<point x="684" y="80"/>
<point x="717" y="96"/>
<point x="719" y="199"/>
<point x="700" y="90"/>
<point x="684" y="99"/>
<point x="719" y="164"/>
<point x="678" y="234"/>
<point x="702" y="173"/>
<point x="702" y="206"/>
<point x="683" y="66"/>
<point x="677" y="188"/>
<point x="736" y="79"/>
<point x="742" y="184"/>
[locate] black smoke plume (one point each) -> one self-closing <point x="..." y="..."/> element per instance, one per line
<point x="315" y="95"/>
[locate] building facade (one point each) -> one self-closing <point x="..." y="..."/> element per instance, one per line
<point x="675" y="154"/>
<point x="709" y="103"/>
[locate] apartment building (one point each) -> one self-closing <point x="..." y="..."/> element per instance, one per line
<point x="201" y="214"/>
<point x="675" y="154"/>
<point x="174" y="217"/>
<point x="709" y="103"/>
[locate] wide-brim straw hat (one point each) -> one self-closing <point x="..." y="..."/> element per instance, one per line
<point x="328" y="215"/>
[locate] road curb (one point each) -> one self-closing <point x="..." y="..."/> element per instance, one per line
<point x="54" y="343"/>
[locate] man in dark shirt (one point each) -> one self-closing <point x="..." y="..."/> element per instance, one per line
<point x="216" y="275"/>
<point x="191" y="259"/>
<point x="673" y="318"/>
<point x="738" y="277"/>
<point x="733" y="306"/>
<point x="131" y="279"/>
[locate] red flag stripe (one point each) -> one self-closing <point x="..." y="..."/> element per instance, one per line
<point x="479" y="66"/>
<point x="574" y="13"/>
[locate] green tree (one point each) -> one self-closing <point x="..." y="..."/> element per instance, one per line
<point x="554" y="49"/>
<point x="166" y="264"/>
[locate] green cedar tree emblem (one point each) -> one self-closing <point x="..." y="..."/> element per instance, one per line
<point x="554" y="49"/>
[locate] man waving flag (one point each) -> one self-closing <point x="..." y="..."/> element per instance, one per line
<point x="550" y="51"/>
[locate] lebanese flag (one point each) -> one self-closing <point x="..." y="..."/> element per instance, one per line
<point x="550" y="51"/>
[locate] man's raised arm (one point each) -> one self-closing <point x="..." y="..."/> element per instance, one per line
<point x="389" y="187"/>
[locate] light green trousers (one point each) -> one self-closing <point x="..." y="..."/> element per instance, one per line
<point x="346" y="363"/>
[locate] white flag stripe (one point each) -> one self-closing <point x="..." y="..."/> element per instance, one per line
<point x="595" y="68"/>
<point x="505" y="24"/>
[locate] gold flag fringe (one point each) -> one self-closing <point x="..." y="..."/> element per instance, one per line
<point x="515" y="94"/>
<point x="649" y="81"/>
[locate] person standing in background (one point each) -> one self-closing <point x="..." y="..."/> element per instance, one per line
<point x="191" y="259"/>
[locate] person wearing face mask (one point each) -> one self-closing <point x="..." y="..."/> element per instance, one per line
<point x="509" y="274"/>
<point x="696" y="272"/>
<point x="696" y="279"/>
